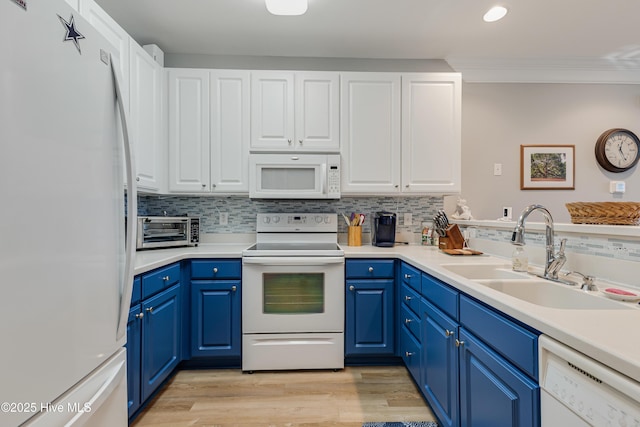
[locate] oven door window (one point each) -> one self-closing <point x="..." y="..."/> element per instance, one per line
<point x="293" y="293"/>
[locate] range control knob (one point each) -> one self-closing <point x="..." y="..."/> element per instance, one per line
<point x="327" y="219"/>
<point x="266" y="220"/>
<point x="276" y="219"/>
<point x="318" y="219"/>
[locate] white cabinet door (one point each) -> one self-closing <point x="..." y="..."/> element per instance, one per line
<point x="74" y="4"/>
<point x="431" y="128"/>
<point x="188" y="130"/>
<point x="115" y="34"/>
<point x="146" y="106"/>
<point x="317" y="112"/>
<point x="272" y="110"/>
<point x="229" y="131"/>
<point x="370" y="132"/>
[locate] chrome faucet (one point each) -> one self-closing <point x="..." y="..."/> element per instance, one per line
<point x="553" y="262"/>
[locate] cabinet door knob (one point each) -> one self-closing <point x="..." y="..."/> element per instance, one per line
<point x="150" y="310"/>
<point x="204" y="185"/>
<point x="407" y="298"/>
<point x="407" y="276"/>
<point x="139" y="315"/>
<point x="234" y="288"/>
<point x="406" y="186"/>
<point x="408" y="353"/>
<point x="352" y="288"/>
<point x="370" y="269"/>
<point x="396" y="186"/>
<point x="138" y="178"/>
<point x="300" y="141"/>
<point x="166" y="278"/>
<point x="407" y="321"/>
<point x="459" y="343"/>
<point x="215" y="270"/>
<point x="289" y="141"/>
<point x="448" y="332"/>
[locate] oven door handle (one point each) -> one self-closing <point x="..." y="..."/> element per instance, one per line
<point x="303" y="260"/>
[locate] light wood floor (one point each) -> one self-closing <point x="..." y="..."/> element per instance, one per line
<point x="228" y="397"/>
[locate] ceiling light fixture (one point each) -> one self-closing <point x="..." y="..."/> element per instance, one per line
<point x="495" y="14"/>
<point x="286" y="7"/>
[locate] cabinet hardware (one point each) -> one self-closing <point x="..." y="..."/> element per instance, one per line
<point x="407" y="276"/>
<point x="300" y="141"/>
<point x="459" y="343"/>
<point x="166" y="278"/>
<point x="448" y="332"/>
<point x="139" y="315"/>
<point x="234" y="288"/>
<point x="352" y="288"/>
<point x="407" y="321"/>
<point x="215" y="270"/>
<point x="407" y="298"/>
<point x="408" y="353"/>
<point x="289" y="141"/>
<point x="150" y="310"/>
<point x="370" y="269"/>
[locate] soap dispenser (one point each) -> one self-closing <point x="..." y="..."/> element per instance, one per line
<point x="519" y="259"/>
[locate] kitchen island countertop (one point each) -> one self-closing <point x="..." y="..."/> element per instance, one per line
<point x="610" y="336"/>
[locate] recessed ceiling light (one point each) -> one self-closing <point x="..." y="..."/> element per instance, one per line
<point x="495" y="14"/>
<point x="286" y="7"/>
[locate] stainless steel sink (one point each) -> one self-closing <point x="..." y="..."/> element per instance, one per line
<point x="485" y="271"/>
<point x="554" y="295"/>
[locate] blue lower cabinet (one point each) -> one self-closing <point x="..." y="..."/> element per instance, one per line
<point x="369" y="317"/>
<point x="133" y="346"/>
<point x="215" y="318"/>
<point x="440" y="364"/>
<point x="161" y="329"/>
<point x="492" y="392"/>
<point x="411" y="353"/>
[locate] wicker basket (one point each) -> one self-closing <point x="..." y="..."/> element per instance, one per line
<point x="608" y="213"/>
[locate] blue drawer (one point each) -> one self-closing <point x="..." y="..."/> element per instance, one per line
<point x="210" y="269"/>
<point x="410" y="275"/>
<point x="518" y="345"/>
<point x="442" y="296"/>
<point x="410" y="297"/>
<point x="136" y="294"/>
<point x="160" y="279"/>
<point x="411" y="321"/>
<point x="370" y="269"/>
<point x="411" y="353"/>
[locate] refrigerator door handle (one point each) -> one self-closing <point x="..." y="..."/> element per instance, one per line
<point x="132" y="212"/>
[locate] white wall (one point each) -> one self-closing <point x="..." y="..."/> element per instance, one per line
<point x="498" y="118"/>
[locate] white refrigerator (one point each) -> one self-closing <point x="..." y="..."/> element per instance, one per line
<point x="65" y="275"/>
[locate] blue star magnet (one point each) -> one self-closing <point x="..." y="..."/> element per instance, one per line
<point x="72" y="33"/>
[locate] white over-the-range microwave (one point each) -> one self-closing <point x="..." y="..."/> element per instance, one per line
<point x="294" y="176"/>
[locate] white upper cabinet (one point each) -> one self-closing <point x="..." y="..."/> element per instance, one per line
<point x="146" y="111"/>
<point x="115" y="35"/>
<point x="229" y="105"/>
<point x="295" y="111"/>
<point x="74" y="4"/>
<point x="370" y="132"/>
<point x="431" y="132"/>
<point x="189" y="144"/>
<point x="208" y="131"/>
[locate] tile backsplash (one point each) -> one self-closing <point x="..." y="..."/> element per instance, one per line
<point x="242" y="210"/>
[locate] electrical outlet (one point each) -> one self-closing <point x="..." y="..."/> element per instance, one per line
<point x="408" y="219"/>
<point x="507" y="213"/>
<point x="224" y="218"/>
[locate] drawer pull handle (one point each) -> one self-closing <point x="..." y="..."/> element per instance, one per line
<point x="352" y="288"/>
<point x="407" y="276"/>
<point x="139" y="315"/>
<point x="234" y="288"/>
<point x="166" y="278"/>
<point x="215" y="270"/>
<point x="459" y="343"/>
<point x="150" y="310"/>
<point x="448" y="332"/>
<point x="407" y="298"/>
<point x="408" y="353"/>
<point x="370" y="269"/>
<point x="407" y="321"/>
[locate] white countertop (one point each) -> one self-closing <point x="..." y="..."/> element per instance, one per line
<point x="609" y="336"/>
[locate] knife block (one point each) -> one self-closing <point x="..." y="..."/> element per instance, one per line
<point x="453" y="238"/>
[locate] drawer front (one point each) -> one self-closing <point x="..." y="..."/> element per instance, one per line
<point x="411" y="353"/>
<point x="444" y="297"/>
<point x="136" y="294"/>
<point x="160" y="279"/>
<point x="410" y="276"/>
<point x="410" y="320"/>
<point x="211" y="269"/>
<point x="512" y="341"/>
<point x="410" y="297"/>
<point x="369" y="269"/>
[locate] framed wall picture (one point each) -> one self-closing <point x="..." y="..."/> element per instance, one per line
<point x="547" y="167"/>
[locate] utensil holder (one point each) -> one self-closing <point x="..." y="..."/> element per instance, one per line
<point x="354" y="235"/>
<point x="453" y="240"/>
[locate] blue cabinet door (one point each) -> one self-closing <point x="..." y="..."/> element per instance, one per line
<point x="440" y="364"/>
<point x="215" y="318"/>
<point x="369" y="317"/>
<point x="134" y="332"/>
<point x="492" y="392"/>
<point x="160" y="338"/>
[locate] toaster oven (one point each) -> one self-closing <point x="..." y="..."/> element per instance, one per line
<point x="166" y="232"/>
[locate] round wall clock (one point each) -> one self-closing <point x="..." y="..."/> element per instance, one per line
<point x="618" y="150"/>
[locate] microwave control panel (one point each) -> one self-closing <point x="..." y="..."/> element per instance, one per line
<point x="333" y="176"/>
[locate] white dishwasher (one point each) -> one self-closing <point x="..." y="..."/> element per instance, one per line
<point x="577" y="391"/>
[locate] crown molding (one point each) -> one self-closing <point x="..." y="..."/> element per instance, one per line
<point x="544" y="70"/>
